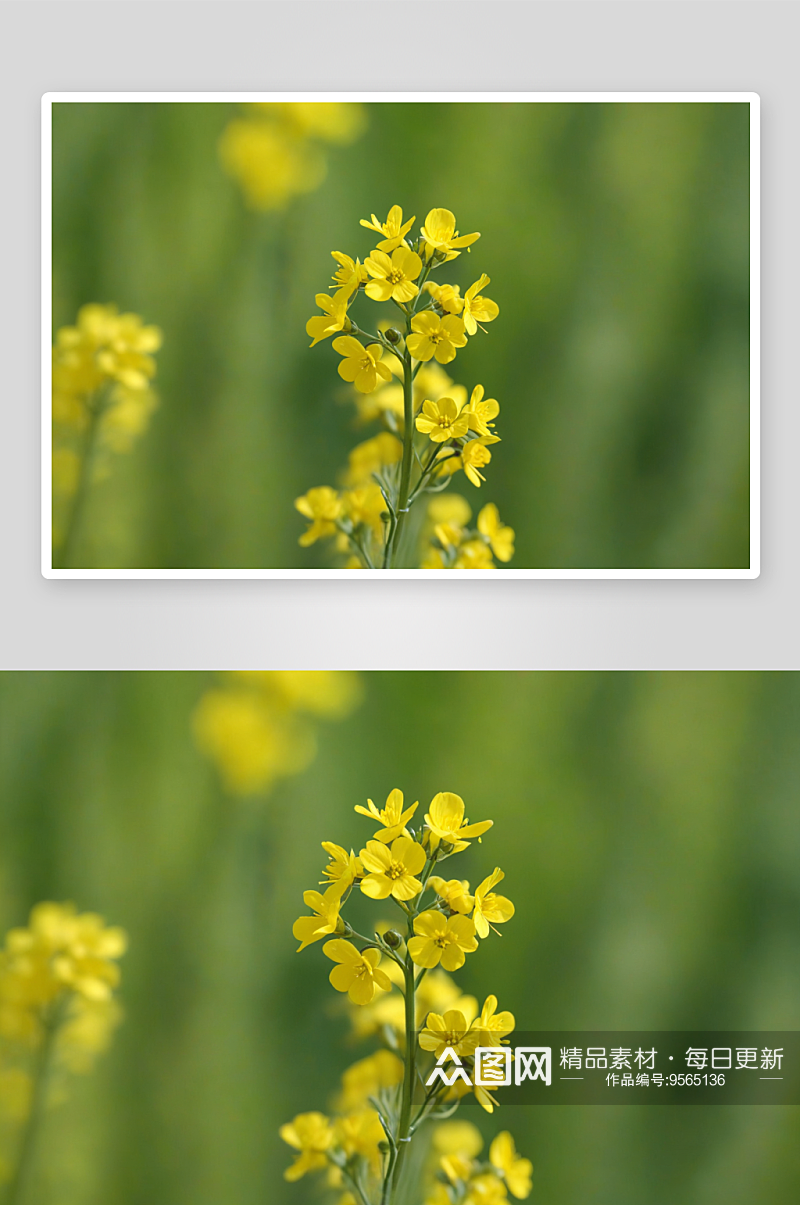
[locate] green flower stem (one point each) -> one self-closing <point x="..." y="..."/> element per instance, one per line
<point x="403" y="1139"/>
<point x="62" y="560"/>
<point x="408" y="454"/>
<point x="409" y="1067"/>
<point x="16" y="1186"/>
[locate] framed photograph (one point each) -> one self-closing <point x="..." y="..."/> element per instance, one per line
<point x="291" y="335"/>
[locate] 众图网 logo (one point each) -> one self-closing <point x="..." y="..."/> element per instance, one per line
<point x="495" y="1067"/>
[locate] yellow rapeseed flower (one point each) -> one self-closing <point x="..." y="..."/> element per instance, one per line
<point x="439" y="939"/>
<point x="500" y="537"/>
<point x="365" y="506"/>
<point x="490" y="1027"/>
<point x="342" y="865"/>
<point x="332" y="319"/>
<point x="478" y="309"/>
<point x="308" y="929"/>
<point x="454" y="892"/>
<point x="338" y="122"/>
<point x="435" y="337"/>
<point x="254" y="729"/>
<point x="359" y="1133"/>
<point x="450" y="509"/>
<point x="473" y="554"/>
<point x="440" y="235"/>
<point x="446" y="822"/>
<point x="481" y="412"/>
<point x="394" y="817"/>
<point x="370" y="456"/>
<point x="323" y="506"/>
<point x="515" y="1171"/>
<point x="490" y="908"/>
<point x="366" y="1077"/>
<point x="393" y="279"/>
<point x="487" y="1188"/>
<point x="358" y="972"/>
<point x="474" y="456"/>
<point x="393" y="229"/>
<point x="442" y="421"/>
<point x="270" y="163"/>
<point x="312" y="1135"/>
<point x="457" y="1138"/>
<point x="361" y="365"/>
<point x="448" y="297"/>
<point x="350" y="274"/>
<point x="392" y="870"/>
<point x="451" y="1030"/>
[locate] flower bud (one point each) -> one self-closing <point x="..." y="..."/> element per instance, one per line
<point x="393" y="335"/>
<point x="392" y="938"/>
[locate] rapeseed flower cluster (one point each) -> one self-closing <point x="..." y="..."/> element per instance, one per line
<point x="432" y="428"/>
<point x="399" y="987"/>
<point x="58" y="1011"/>
<point x="258" y="726"/>
<point x="275" y="151"/>
<point x="102" y="371"/>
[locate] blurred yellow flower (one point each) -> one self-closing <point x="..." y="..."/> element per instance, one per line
<point x="323" y="506"/>
<point x="251" y="744"/>
<point x="515" y="1171"/>
<point x="273" y="153"/>
<point x="487" y="1188"/>
<point x="359" y="1133"/>
<point x="358" y="972"/>
<point x="370" y="456"/>
<point x="102" y="368"/>
<point x="451" y="509"/>
<point x="366" y="1077"/>
<point x="473" y="554"/>
<point x="365" y="506"/>
<point x="254" y="726"/>
<point x="500" y="537"/>
<point x="312" y="1135"/>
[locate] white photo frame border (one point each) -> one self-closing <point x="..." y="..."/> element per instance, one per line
<point x="750" y="98"/>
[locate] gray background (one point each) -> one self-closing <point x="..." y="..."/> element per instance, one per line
<point x="427" y="624"/>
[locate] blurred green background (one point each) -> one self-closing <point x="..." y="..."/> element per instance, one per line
<point x="617" y="240"/>
<point x="649" y="829"/>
